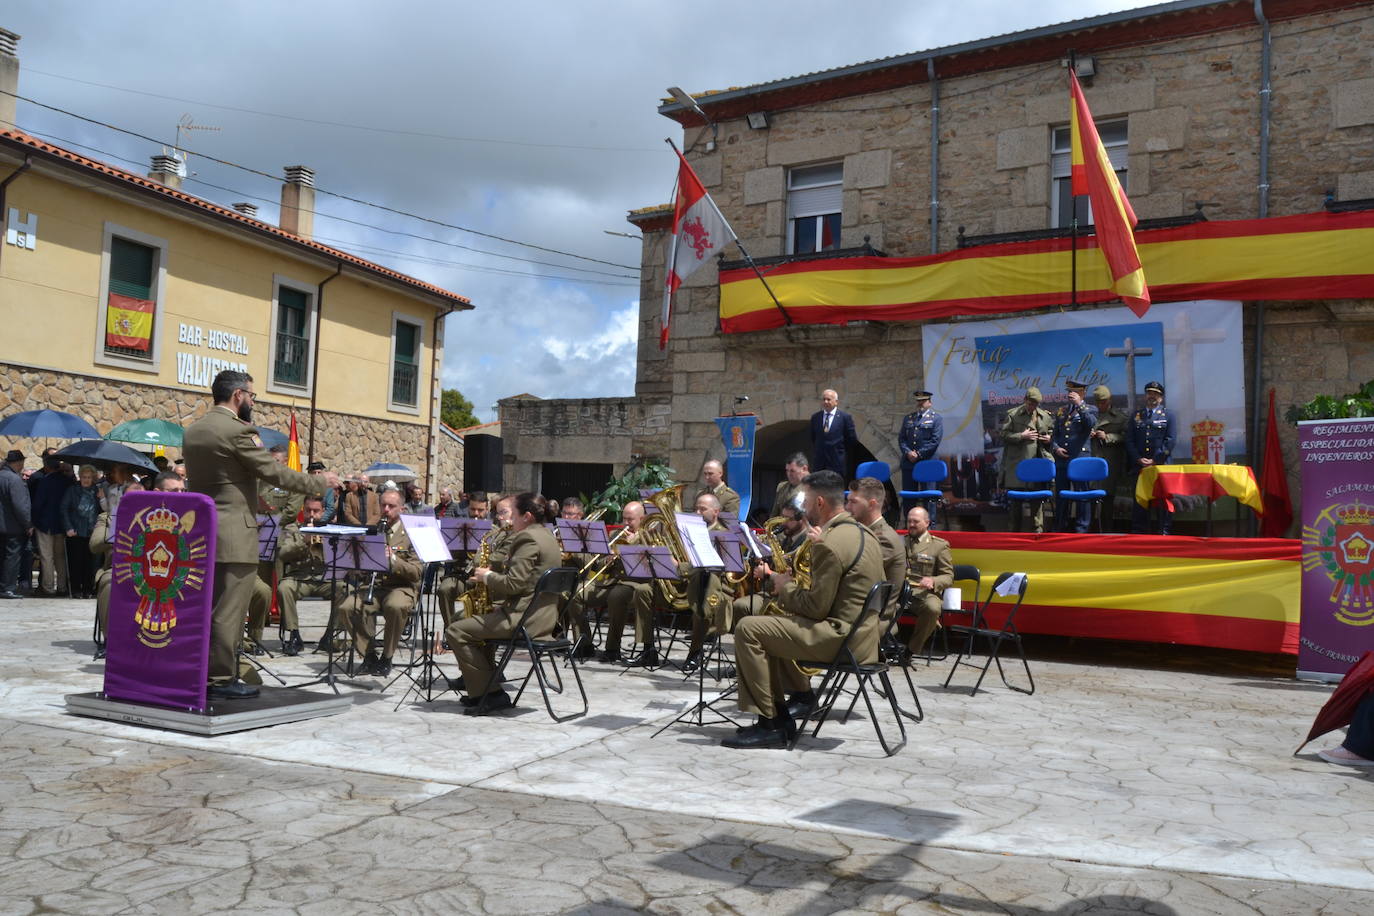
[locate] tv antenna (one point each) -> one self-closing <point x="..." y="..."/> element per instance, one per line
<point x="186" y="124"/>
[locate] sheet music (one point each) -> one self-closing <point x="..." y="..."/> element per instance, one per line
<point x="697" y="539"/>
<point x="757" y="548"/>
<point x="341" y="530"/>
<point x="426" y="538"/>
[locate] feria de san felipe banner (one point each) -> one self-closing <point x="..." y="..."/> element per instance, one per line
<point x="1337" y="545"/>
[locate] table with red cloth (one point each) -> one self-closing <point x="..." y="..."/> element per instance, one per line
<point x="1165" y="481"/>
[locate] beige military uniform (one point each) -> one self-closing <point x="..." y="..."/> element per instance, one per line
<point x="927" y="555"/>
<point x="1113" y="423"/>
<point x="845" y="564"/>
<point x="729" y="499"/>
<point x="530" y="553"/>
<point x="393" y="596"/>
<point x="1015" y="450"/>
<point x="302" y="562"/>
<point x="225" y="460"/>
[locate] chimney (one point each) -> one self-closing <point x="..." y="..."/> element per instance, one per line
<point x="246" y="208"/>
<point x="167" y="169"/>
<point x="9" y="77"/>
<point x="298" y="201"/>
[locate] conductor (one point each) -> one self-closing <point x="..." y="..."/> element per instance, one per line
<point x="225" y="460"/>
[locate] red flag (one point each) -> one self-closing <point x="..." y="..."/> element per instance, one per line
<point x="699" y="231"/>
<point x="1091" y="173"/>
<point x="293" y="447"/>
<point x="1278" y="507"/>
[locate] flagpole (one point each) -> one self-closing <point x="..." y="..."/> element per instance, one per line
<point x="787" y="319"/>
<point x="1073" y="208"/>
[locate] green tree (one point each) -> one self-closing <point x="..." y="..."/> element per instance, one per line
<point x="456" y="410"/>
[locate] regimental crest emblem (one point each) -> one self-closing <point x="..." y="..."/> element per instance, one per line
<point x="697" y="237"/>
<point x="155" y="553"/>
<point x="1209" y="443"/>
<point x="1341" y="543"/>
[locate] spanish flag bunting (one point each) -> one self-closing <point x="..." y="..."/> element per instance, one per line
<point x="129" y="322"/>
<point x="1091" y="173"/>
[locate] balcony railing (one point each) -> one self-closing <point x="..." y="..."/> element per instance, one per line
<point x="290" y="365"/>
<point x="405" y="383"/>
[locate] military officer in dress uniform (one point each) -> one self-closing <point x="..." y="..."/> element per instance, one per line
<point x="713" y="475"/>
<point x="1071" y="438"/>
<point x="532" y="550"/>
<point x="846" y="562"/>
<point x="302" y="560"/>
<point x="929" y="570"/>
<point x="225" y="460"/>
<point x="1025" y="434"/>
<point x="1109" y="442"/>
<point x="922" y="430"/>
<point x="1150" y="440"/>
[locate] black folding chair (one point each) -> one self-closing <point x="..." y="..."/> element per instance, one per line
<point x="845" y="665"/>
<point x="994" y="637"/>
<point x="559" y="581"/>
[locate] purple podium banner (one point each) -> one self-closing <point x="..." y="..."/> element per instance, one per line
<point x="157" y="644"/>
<point x="1337" y="545"/>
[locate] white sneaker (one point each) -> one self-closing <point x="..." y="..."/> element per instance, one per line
<point x="1344" y="757"/>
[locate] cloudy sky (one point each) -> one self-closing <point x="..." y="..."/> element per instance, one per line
<point x="532" y="121"/>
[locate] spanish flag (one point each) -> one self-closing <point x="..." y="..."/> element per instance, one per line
<point x="129" y="322"/>
<point x="1091" y="173"/>
<point x="293" y="447"/>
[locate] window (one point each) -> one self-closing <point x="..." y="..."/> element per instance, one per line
<point x="1063" y="205"/>
<point x="405" y="363"/>
<point x="294" y="318"/>
<point x="814" y="198"/>
<point x="129" y="307"/>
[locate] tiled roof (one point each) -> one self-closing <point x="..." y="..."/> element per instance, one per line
<point x="23" y="142"/>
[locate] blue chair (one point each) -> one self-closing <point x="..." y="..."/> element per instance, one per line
<point x="1081" y="472"/>
<point x="928" y="474"/>
<point x="878" y="469"/>
<point x="1031" y="471"/>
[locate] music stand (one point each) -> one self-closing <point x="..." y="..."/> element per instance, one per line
<point x="351" y="551"/>
<point x="644" y="564"/>
<point x="696" y="714"/>
<point x="423" y="685"/>
<point x="581" y="536"/>
<point x="268" y="531"/>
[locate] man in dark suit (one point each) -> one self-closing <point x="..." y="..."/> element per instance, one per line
<point x="832" y="436"/>
<point x="225" y="460"/>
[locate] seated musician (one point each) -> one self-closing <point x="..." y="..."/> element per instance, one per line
<point x="865" y="502"/>
<point x="393" y="593"/>
<point x="930" y="570"/>
<point x="606" y="586"/>
<point x="574" y="621"/>
<point x="793" y="531"/>
<point x="532" y="550"/>
<point x="717" y="601"/>
<point x="303" y="566"/>
<point x="713" y="476"/>
<point x="789" y="488"/>
<point x="846" y="562"/>
<point x="453" y="583"/>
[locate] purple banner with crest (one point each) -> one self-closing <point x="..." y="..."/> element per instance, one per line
<point x="1337" y="545"/>
<point x="158" y="638"/>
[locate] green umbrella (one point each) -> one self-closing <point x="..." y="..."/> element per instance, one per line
<point x="147" y="432"/>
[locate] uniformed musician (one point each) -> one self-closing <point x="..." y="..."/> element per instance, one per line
<point x="713" y="476"/>
<point x="920" y="436"/>
<point x="929" y="571"/>
<point x="789" y="488"/>
<point x="302" y="559"/>
<point x="1150" y="441"/>
<point x="392" y="593"/>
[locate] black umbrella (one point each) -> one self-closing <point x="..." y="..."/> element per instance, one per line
<point x="103" y="453"/>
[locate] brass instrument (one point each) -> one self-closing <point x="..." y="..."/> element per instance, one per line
<point x="611" y="558"/>
<point x="661" y="531"/>
<point x="476" y="601"/>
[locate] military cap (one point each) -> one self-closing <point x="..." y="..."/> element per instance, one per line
<point x="315" y="466"/>
<point x="1034" y="393"/>
<point x="1102" y="393"/>
<point x="1075" y="385"/>
<point x="1154" y="386"/>
<point x="921" y="394"/>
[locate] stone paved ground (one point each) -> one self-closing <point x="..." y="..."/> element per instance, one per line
<point x="1143" y="785"/>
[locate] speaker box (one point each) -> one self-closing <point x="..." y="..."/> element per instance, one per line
<point x="482" y="463"/>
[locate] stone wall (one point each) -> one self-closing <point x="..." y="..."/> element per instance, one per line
<point x="448" y="470"/>
<point x="345" y="443"/>
<point x="611" y="431"/>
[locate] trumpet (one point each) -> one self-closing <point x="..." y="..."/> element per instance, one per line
<point x="610" y="558"/>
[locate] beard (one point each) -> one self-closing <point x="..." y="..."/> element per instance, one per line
<point x="245" y="411"/>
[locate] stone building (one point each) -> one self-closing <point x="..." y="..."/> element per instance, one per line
<point x="123" y="295"/>
<point x="933" y="151"/>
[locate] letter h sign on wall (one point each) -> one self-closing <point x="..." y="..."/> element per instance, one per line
<point x="22" y="234"/>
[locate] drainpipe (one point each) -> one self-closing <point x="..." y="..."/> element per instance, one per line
<point x="436" y="394"/>
<point x="315" y="360"/>
<point x="1264" y="94"/>
<point x="935" y="155"/>
<point x="4" y="186"/>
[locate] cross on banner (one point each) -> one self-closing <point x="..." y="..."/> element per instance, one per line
<point x="1130" y="351"/>
<point x="1182" y="336"/>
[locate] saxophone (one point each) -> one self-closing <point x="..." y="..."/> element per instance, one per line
<point x="475" y="600"/>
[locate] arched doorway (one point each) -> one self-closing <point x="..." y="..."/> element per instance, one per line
<point x="773" y="445"/>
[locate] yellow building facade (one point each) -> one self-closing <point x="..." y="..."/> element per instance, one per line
<point x="122" y="296"/>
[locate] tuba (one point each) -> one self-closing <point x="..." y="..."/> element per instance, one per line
<point x="661" y="531"/>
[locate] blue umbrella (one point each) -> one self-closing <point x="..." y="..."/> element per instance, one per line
<point x="103" y="453"/>
<point x="270" y="437"/>
<point x="47" y="424"/>
<point x="389" y="470"/>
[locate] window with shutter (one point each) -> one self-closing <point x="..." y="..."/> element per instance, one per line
<point x="405" y="370"/>
<point x="132" y="274"/>
<point x="290" y="365"/>
<point x="815" y="196"/>
<point x="1063" y="205"/>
